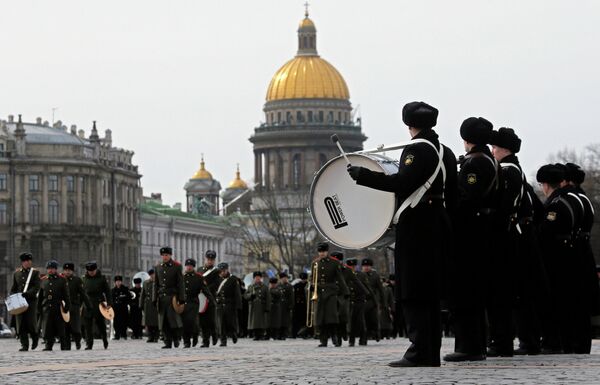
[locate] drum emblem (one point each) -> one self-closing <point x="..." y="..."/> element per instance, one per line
<point x="335" y="212"/>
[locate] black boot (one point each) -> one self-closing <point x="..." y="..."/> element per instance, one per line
<point x="351" y="341"/>
<point x="195" y="341"/>
<point x="186" y="343"/>
<point x="223" y="342"/>
<point x="205" y="343"/>
<point x="168" y="344"/>
<point x="47" y="348"/>
<point x="34" y="341"/>
<point x="105" y="342"/>
<point x="215" y="338"/>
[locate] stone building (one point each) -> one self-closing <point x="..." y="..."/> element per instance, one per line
<point x="202" y="192"/>
<point x="66" y="196"/>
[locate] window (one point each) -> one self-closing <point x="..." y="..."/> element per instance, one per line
<point x="330" y="117"/>
<point x="279" y="117"/>
<point x="310" y="116"/>
<point x="53" y="212"/>
<point x="296" y="170"/>
<point x="71" y="213"/>
<point x="70" y="183"/>
<point x="52" y="182"/>
<point x="3" y="181"/>
<point x="3" y="214"/>
<point x="299" y="116"/>
<point x="34" y="183"/>
<point x="34" y="212"/>
<point x="56" y="249"/>
<point x="2" y="150"/>
<point x="320" y="116"/>
<point x="82" y="183"/>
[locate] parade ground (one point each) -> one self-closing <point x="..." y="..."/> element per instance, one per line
<point x="279" y="362"/>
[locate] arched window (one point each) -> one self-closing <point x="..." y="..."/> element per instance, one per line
<point x="320" y="116"/>
<point x="71" y="213"/>
<point x="310" y="116"/>
<point x="305" y="41"/>
<point x="296" y="171"/>
<point x="299" y="117"/>
<point x="34" y="212"/>
<point x="53" y="212"/>
<point x="330" y="117"/>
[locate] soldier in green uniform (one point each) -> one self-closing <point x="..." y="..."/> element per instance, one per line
<point x="97" y="291"/>
<point x="343" y="301"/>
<point x="287" y="305"/>
<point x="377" y="302"/>
<point x="275" y="312"/>
<point x="229" y="303"/>
<point x="53" y="295"/>
<point x="259" y="303"/>
<point x="358" y="299"/>
<point x="78" y="297"/>
<point x="326" y="273"/>
<point x="387" y="320"/>
<point x="194" y="285"/>
<point x="169" y="284"/>
<point x="208" y="319"/>
<point x="26" y="322"/>
<point x="150" y="318"/>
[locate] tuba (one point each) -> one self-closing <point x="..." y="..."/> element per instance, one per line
<point x="312" y="301"/>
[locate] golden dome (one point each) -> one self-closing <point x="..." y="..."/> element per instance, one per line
<point x="307" y="77"/>
<point x="238" y="183"/>
<point x="307" y="23"/>
<point x="202" y="173"/>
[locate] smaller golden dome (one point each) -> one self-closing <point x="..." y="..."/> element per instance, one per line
<point x="306" y="23"/>
<point x="238" y="183"/>
<point x="202" y="173"/>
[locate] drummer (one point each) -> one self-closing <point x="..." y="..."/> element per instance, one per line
<point x="194" y="284"/>
<point x="421" y="229"/>
<point x="27" y="321"/>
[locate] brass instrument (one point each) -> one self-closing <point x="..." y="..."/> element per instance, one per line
<point x="311" y="303"/>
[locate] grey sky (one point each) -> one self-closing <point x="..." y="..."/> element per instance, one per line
<point x="173" y="79"/>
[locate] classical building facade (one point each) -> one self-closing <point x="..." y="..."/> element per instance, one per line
<point x="67" y="197"/>
<point x="202" y="192"/>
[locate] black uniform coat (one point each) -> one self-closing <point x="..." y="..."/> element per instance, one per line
<point x="287" y="304"/>
<point x="135" y="310"/>
<point x="150" y="312"/>
<point x="299" y="314"/>
<point x="194" y="285"/>
<point x="259" y="303"/>
<point x="121" y="298"/>
<point x="590" y="283"/>
<point x="212" y="280"/>
<point x="329" y="285"/>
<point x="422" y="231"/>
<point x="229" y="303"/>
<point x="78" y="298"/>
<point x="169" y="283"/>
<point x="26" y="322"/>
<point x="275" y="312"/>
<point x="97" y="291"/>
<point x="53" y="292"/>
<point x="358" y="297"/>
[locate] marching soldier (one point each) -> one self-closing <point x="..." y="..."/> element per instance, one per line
<point x="194" y="285"/>
<point x="229" y="303"/>
<point x="135" y="311"/>
<point x="343" y="301"/>
<point x="376" y="303"/>
<point x="299" y="314"/>
<point x="259" y="303"/>
<point x="78" y="298"/>
<point x="424" y="184"/>
<point x="287" y="305"/>
<point x="169" y="287"/>
<point x="387" y="319"/>
<point x="478" y="182"/>
<point x="275" y="312"/>
<point x="358" y="299"/>
<point x="150" y="318"/>
<point x="329" y="282"/>
<point x="208" y="319"/>
<point x="26" y="322"/>
<point x="97" y="291"/>
<point x="120" y="296"/>
<point x="53" y="296"/>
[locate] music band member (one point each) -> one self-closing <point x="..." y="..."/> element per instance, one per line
<point x="135" y="310"/>
<point x="26" y="322"/>
<point x="121" y="297"/>
<point x="150" y="317"/>
<point x="194" y="285"/>
<point x="358" y="299"/>
<point x="229" y="303"/>
<point x="287" y="305"/>
<point x="78" y="298"/>
<point x="53" y="295"/>
<point x="259" y="305"/>
<point x="212" y="280"/>
<point x="375" y="300"/>
<point x="169" y="285"/>
<point x="423" y="226"/>
<point x="97" y="291"/>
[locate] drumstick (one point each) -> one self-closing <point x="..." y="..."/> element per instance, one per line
<point x="336" y="140"/>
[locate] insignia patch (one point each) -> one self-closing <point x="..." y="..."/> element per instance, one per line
<point x="471" y="178"/>
<point x="551" y="216"/>
<point x="409" y="159"/>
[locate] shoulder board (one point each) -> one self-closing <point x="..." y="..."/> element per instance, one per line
<point x="176" y="263"/>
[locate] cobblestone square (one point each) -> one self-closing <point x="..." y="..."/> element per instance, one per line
<point x="279" y="362"/>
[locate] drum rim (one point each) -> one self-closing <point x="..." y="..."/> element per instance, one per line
<point x="311" y="195"/>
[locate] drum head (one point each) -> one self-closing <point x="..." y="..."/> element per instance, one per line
<point x="203" y="303"/>
<point x="349" y="215"/>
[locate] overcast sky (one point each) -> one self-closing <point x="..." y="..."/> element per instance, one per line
<point x="174" y="79"/>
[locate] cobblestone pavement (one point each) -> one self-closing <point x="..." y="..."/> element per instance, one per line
<point x="279" y="362"/>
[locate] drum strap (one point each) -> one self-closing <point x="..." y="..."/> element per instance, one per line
<point x="583" y="196"/>
<point x="221" y="285"/>
<point x="414" y="198"/>
<point x="28" y="279"/>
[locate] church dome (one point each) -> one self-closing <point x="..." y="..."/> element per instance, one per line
<point x="307" y="76"/>
<point x="238" y="183"/>
<point x="202" y="173"/>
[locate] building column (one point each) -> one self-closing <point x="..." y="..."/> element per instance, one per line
<point x="44" y="202"/>
<point x="19" y="185"/>
<point x="63" y="198"/>
<point x="79" y="204"/>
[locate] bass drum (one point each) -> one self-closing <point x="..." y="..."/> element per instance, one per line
<point x="347" y="214"/>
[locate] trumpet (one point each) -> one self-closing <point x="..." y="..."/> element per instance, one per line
<point x="311" y="303"/>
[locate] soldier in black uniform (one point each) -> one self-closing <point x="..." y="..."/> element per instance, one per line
<point x="135" y="310"/>
<point x="121" y="297"/>
<point x="424" y="181"/>
<point x="299" y="317"/>
<point x="78" y="298"/>
<point x="169" y="285"/>
<point x="478" y="182"/>
<point x="287" y="306"/>
<point x="26" y="322"/>
<point x="208" y="319"/>
<point x="375" y="301"/>
<point x="53" y="295"/>
<point x="194" y="285"/>
<point x="275" y="312"/>
<point x="150" y="319"/>
<point x="97" y="291"/>
<point x="343" y="300"/>
<point x="229" y="303"/>
<point x="358" y="297"/>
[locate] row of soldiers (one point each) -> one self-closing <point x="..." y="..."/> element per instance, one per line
<point x="479" y="237"/>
